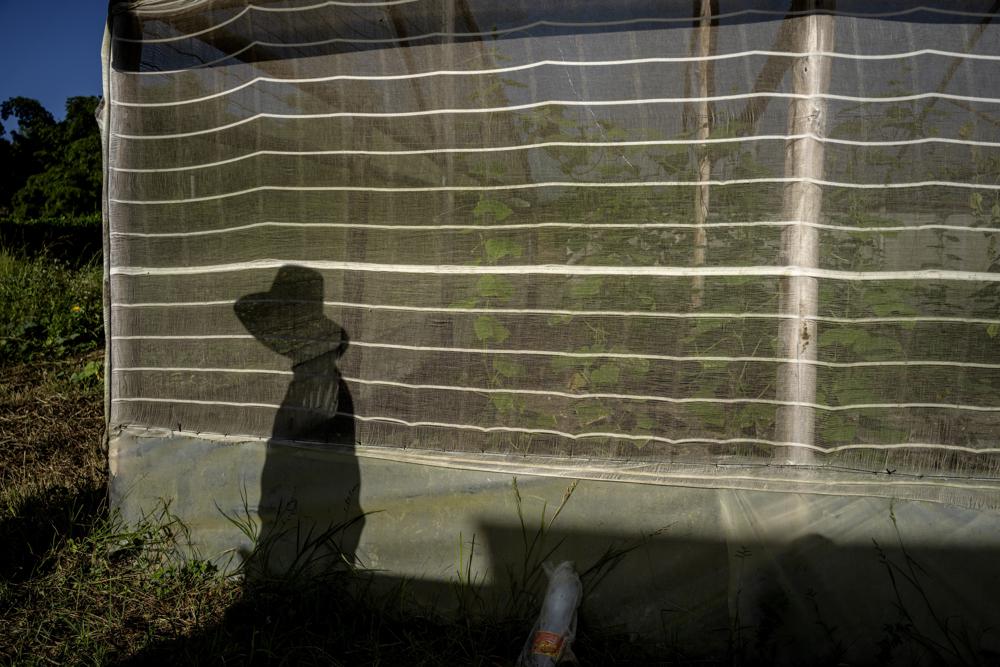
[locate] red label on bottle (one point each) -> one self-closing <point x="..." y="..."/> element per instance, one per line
<point x="547" y="643"/>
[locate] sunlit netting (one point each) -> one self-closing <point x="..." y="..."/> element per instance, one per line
<point x="629" y="239"/>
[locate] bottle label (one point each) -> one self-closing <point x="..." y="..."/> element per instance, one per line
<point x="547" y="643"/>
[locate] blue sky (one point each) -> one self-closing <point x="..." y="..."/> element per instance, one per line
<point x="51" y="50"/>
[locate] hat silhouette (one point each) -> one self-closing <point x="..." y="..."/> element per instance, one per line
<point x="289" y="319"/>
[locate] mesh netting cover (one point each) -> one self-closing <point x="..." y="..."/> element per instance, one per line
<point x="720" y="243"/>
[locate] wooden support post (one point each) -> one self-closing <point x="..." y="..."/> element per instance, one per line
<point x="703" y="123"/>
<point x="813" y="33"/>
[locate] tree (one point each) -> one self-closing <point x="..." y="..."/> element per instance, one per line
<point x="54" y="167"/>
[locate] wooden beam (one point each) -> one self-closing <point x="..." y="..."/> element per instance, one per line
<point x="812" y="34"/>
<point x="706" y="81"/>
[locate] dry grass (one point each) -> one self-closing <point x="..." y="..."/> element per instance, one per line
<point x="52" y="467"/>
<point x="75" y="585"/>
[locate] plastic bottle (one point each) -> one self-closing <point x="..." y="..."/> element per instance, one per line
<point x="555" y="629"/>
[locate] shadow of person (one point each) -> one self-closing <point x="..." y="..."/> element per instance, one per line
<point x="310" y="516"/>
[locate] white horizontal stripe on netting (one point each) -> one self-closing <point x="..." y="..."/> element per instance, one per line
<point x="560" y="63"/>
<point x="562" y="225"/>
<point x="566" y="270"/>
<point x="561" y="184"/>
<point x="537" y="24"/>
<point x="186" y="5"/>
<point x="567" y="144"/>
<point x="579" y="436"/>
<point x="566" y="103"/>
<point x="246" y="10"/>
<point x="544" y="353"/>
<point x="915" y="319"/>
<point x="633" y="397"/>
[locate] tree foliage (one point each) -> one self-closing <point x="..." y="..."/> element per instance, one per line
<point x="53" y="168"/>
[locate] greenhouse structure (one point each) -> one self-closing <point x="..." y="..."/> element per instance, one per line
<point x="717" y="280"/>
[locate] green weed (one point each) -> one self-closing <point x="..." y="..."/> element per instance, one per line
<point x="47" y="308"/>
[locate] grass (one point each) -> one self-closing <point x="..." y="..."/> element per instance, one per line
<point x="48" y="309"/>
<point x="91" y="220"/>
<point x="71" y="589"/>
<point x="52" y="470"/>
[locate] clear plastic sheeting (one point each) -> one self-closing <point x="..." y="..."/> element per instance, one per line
<point x="745" y="237"/>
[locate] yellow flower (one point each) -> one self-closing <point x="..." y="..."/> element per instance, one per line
<point x="75" y="309"/>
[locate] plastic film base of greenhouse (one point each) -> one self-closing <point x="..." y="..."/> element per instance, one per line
<point x="732" y="268"/>
<point x="789" y="575"/>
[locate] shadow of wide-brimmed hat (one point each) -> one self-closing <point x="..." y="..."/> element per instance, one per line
<point x="289" y="319"/>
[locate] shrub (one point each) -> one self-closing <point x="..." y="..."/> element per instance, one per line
<point x="47" y="308"/>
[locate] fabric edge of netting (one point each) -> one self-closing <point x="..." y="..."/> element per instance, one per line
<point x="104" y="123"/>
